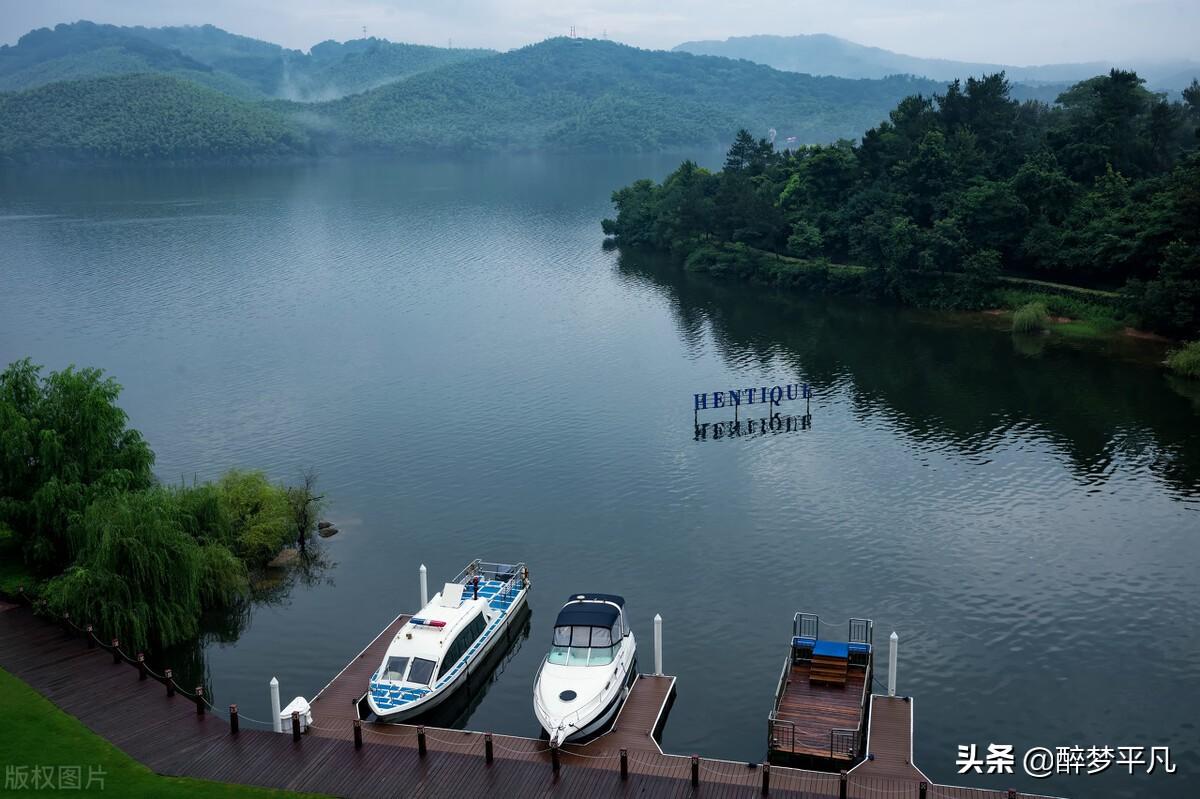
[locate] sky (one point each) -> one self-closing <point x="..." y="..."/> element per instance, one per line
<point x="1020" y="32"/>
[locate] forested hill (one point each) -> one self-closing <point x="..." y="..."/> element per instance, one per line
<point x="822" y="54"/>
<point x="237" y="65"/>
<point x="561" y="94"/>
<point x="571" y="94"/>
<point x="236" y="97"/>
<point x="140" y="118"/>
<point x="953" y="194"/>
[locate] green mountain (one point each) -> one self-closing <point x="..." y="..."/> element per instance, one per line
<point x="85" y="50"/>
<point x="822" y="54"/>
<point x="237" y="65"/>
<point x="141" y="117"/>
<point x="570" y="94"/>
<point x="209" y="94"/>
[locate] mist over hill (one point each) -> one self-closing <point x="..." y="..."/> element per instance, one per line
<point x="822" y="54"/>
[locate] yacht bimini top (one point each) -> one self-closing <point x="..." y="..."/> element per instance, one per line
<point x="590" y="610"/>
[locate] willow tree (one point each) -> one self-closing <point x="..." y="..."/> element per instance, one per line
<point x="63" y="443"/>
<point x="137" y="575"/>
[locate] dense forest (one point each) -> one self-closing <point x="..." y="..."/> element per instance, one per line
<point x="85" y="527"/>
<point x="953" y="198"/>
<point x="140" y="117"/>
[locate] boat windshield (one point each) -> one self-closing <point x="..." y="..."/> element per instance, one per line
<point x="582" y="646"/>
<point x="421" y="671"/>
<point x="394" y="670"/>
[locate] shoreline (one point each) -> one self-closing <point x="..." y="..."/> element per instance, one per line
<point x="1077" y="314"/>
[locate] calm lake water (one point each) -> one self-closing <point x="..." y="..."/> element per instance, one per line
<point x="473" y="375"/>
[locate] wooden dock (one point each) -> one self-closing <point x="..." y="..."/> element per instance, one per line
<point x="170" y="736"/>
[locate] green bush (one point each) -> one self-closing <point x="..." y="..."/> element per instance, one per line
<point x="1031" y="318"/>
<point x="1186" y="360"/>
<point x="260" y="515"/>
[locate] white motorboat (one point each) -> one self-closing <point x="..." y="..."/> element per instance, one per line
<point x="584" y="680"/>
<point x="444" y="643"/>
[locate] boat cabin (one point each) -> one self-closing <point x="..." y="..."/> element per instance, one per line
<point x="430" y="644"/>
<point x="589" y="630"/>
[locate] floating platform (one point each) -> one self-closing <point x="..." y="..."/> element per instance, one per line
<point x="822" y="702"/>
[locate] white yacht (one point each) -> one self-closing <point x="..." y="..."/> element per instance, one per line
<point x="437" y="650"/>
<point x="585" y="678"/>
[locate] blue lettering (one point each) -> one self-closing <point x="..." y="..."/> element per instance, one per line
<point x="792" y="388"/>
<point x="776" y="397"/>
<point x="701" y="401"/>
<point x="718" y="399"/>
<point x="750" y="391"/>
<point x="735" y="397"/>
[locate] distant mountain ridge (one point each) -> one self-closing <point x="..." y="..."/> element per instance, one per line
<point x="822" y="54"/>
<point x="122" y="94"/>
<point x="237" y="65"/>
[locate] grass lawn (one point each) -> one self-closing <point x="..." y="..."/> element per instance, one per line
<point x="37" y="735"/>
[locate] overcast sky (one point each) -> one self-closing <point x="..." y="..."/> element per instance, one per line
<point x="1000" y="31"/>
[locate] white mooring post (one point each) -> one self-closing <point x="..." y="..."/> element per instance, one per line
<point x="424" y="587"/>
<point x="658" y="645"/>
<point x="278" y="725"/>
<point x="893" y="643"/>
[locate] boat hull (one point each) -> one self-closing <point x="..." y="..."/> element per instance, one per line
<point x="603" y="719"/>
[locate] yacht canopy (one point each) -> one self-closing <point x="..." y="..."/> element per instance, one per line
<point x="590" y="610"/>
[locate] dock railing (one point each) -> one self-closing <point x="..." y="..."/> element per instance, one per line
<point x="780" y="731"/>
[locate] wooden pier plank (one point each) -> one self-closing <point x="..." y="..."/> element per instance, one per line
<point x="814" y="710"/>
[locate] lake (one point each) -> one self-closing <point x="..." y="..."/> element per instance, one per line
<point x="473" y="374"/>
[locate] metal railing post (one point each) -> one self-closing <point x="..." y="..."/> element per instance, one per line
<point x="766" y="788"/>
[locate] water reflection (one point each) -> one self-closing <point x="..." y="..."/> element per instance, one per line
<point x="946" y="384"/>
<point x="270" y="588"/>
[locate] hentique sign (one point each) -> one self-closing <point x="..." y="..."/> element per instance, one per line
<point x="736" y="397"/>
